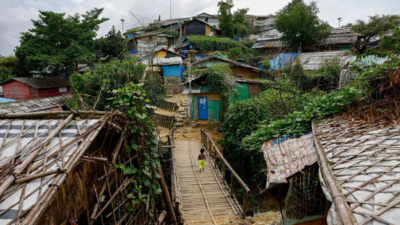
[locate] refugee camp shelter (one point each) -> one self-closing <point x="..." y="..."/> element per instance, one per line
<point x="172" y="24"/>
<point x="21" y="88"/>
<point x="361" y="168"/>
<point x="340" y="39"/>
<point x="206" y="102"/>
<point x="183" y="47"/>
<point x="152" y="41"/>
<point x="270" y="42"/>
<point x="55" y="167"/>
<point x="261" y="24"/>
<point x="171" y="69"/>
<point x="212" y="20"/>
<point x="166" y="53"/>
<point x="316" y="60"/>
<point x="199" y="27"/>
<point x="239" y="70"/>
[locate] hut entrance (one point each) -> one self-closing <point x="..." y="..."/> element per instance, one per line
<point x="305" y="197"/>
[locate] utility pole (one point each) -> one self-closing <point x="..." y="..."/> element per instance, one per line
<point x="122" y="20"/>
<point x="189" y="52"/>
<point x="170" y="9"/>
<point x="340" y="19"/>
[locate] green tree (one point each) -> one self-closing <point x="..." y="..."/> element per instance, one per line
<point x="231" y="24"/>
<point x="376" y="25"/>
<point x="58" y="41"/>
<point x="7" y="67"/>
<point x="111" y="46"/>
<point x="300" y="24"/>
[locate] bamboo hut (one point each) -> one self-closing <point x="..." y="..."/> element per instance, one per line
<point x="55" y="168"/>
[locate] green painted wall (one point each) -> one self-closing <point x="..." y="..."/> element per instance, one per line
<point x="213" y="109"/>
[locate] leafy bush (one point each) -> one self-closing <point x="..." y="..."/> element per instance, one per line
<point x="220" y="80"/>
<point x="326" y="78"/>
<point x="266" y="64"/>
<point x="298" y="122"/>
<point x="111" y="76"/>
<point x="235" y="53"/>
<point x="210" y="43"/>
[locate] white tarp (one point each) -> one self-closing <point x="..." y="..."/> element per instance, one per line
<point x="284" y="158"/>
<point x="167" y="61"/>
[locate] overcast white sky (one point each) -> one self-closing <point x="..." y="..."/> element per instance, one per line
<point x="16" y="15"/>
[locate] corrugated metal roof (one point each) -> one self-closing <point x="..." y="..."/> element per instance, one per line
<point x="41" y="82"/>
<point x="364" y="160"/>
<point x="229" y="61"/>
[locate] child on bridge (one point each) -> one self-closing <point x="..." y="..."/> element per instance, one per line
<point x="202" y="159"/>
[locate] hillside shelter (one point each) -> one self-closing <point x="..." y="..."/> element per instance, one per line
<point x="22" y="88"/>
<point x="171" y="69"/>
<point x="206" y="103"/>
<point x="199" y="27"/>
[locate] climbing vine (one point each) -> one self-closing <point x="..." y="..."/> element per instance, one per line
<point x="220" y="80"/>
<point x="142" y="139"/>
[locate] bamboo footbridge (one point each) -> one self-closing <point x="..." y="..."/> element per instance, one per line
<point x="204" y="198"/>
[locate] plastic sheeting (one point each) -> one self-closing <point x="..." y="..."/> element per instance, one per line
<point x="34" y="131"/>
<point x="242" y="95"/>
<point x="287" y="157"/>
<point x="364" y="159"/>
<point x="167" y="61"/>
<point x="282" y="60"/>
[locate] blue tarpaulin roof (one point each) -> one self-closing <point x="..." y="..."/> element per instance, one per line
<point x="5" y="100"/>
<point x="282" y="60"/>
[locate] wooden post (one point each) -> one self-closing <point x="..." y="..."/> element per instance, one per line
<point x="246" y="193"/>
<point x="215" y="156"/>
<point x="231" y="184"/>
<point x="223" y="173"/>
<point x="168" y="198"/>
<point x="158" y="222"/>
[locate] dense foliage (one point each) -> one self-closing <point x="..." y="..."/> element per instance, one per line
<point x="233" y="24"/>
<point x="280" y="111"/>
<point x="235" y="53"/>
<point x="111" y="46"/>
<point x="58" y="41"/>
<point x="220" y="80"/>
<point x="300" y="25"/>
<point x="212" y="43"/>
<point x="93" y="88"/>
<point x="376" y="26"/>
<point x="8" y="66"/>
<point x="132" y="100"/>
<point x="326" y="78"/>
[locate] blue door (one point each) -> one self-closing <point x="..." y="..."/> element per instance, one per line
<point x="203" y="109"/>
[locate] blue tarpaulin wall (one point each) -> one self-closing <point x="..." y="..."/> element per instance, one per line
<point x="172" y="71"/>
<point x="282" y="60"/>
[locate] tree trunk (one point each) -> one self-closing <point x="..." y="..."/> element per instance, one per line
<point x="66" y="71"/>
<point x="76" y="65"/>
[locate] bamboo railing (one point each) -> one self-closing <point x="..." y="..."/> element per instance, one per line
<point x="175" y="181"/>
<point x="213" y="151"/>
